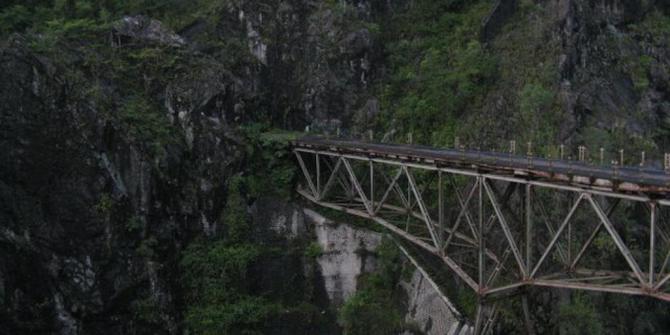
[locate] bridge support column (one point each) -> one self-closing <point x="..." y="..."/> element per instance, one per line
<point x="440" y="211"/>
<point x="529" y="228"/>
<point x="480" y="234"/>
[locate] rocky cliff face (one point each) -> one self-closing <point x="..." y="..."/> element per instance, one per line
<point x="346" y="253"/>
<point x="98" y="194"/>
<point x="118" y="143"/>
<point x="104" y="217"/>
<point x="428" y="310"/>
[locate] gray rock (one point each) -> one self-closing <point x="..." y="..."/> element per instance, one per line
<point x="144" y="29"/>
<point x="345" y="255"/>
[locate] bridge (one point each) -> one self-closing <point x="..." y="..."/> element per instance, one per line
<point x="502" y="222"/>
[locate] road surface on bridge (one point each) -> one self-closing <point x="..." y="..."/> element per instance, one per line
<point x="651" y="181"/>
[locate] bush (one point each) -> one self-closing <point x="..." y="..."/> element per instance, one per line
<point x="373" y="310"/>
<point x="579" y="317"/>
<point x="439" y="69"/>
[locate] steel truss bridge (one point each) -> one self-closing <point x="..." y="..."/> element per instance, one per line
<point x="502" y="222"/>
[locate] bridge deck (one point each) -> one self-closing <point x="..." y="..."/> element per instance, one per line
<point x="652" y="182"/>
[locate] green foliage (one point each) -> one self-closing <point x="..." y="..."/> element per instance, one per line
<point x="534" y="103"/>
<point x="234" y="215"/>
<point x="146" y="310"/>
<point x="14" y="18"/>
<point x="218" y="295"/>
<point x="373" y="310"/>
<point x="313" y="250"/>
<point x="271" y="169"/>
<point x="215" y="276"/>
<point x="439" y="68"/>
<point x="147" y="247"/>
<point x="639" y="72"/>
<point x="655" y="26"/>
<point x="245" y="316"/>
<point x="105" y="205"/>
<point x="134" y="224"/>
<point x="217" y="273"/>
<point x="145" y="123"/>
<point x="579" y="317"/>
<point x="367" y="313"/>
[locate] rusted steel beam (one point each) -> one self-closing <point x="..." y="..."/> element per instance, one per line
<point x="450" y="262"/>
<point x="550" y="228"/>
<point x="357" y="186"/>
<point x="506" y="230"/>
<point x="496" y="271"/>
<point x="617" y="239"/>
<point x="440" y="210"/>
<point x="422" y="207"/>
<point x="432" y="283"/>
<point x="529" y="226"/>
<point x="481" y="262"/>
<point x="593" y="235"/>
<point x="463" y="210"/>
<point x="557" y="235"/>
<point x="367" y="206"/>
<point x="624" y="178"/>
<point x="464" y="206"/>
<point x="388" y="190"/>
<point x="652" y="243"/>
<point x="308" y="177"/>
<point x="618" y="192"/>
<point x="331" y="179"/>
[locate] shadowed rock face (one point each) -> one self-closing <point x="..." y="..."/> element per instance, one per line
<point x="596" y="44"/>
<point x="144" y="29"/>
<point x="71" y="184"/>
<point x="92" y="221"/>
<point x="426" y="308"/>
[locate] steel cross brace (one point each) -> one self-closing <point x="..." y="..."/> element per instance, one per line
<point x="641" y="282"/>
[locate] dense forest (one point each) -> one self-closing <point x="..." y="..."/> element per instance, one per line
<point x="144" y="148"/>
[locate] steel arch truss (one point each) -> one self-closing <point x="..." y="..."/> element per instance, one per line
<point x="499" y="233"/>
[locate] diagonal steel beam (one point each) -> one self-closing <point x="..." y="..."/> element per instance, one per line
<point x="357" y="186"/>
<point x="550" y="228"/>
<point x="463" y="211"/>
<point x="388" y="190"/>
<point x="652" y="243"/>
<point x="331" y="179"/>
<point x="397" y="189"/>
<point x="422" y="206"/>
<point x="617" y="239"/>
<point x="463" y="205"/>
<point x="481" y="262"/>
<point x="557" y="235"/>
<point x="318" y="173"/>
<point x="506" y="230"/>
<point x="593" y="235"/>
<point x="504" y="203"/>
<point x="339" y="176"/>
<point x="665" y="263"/>
<point x="498" y="268"/>
<point x="447" y="260"/>
<point x="662" y="282"/>
<point x="308" y="177"/>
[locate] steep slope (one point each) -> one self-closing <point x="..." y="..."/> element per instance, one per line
<point x="128" y="126"/>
